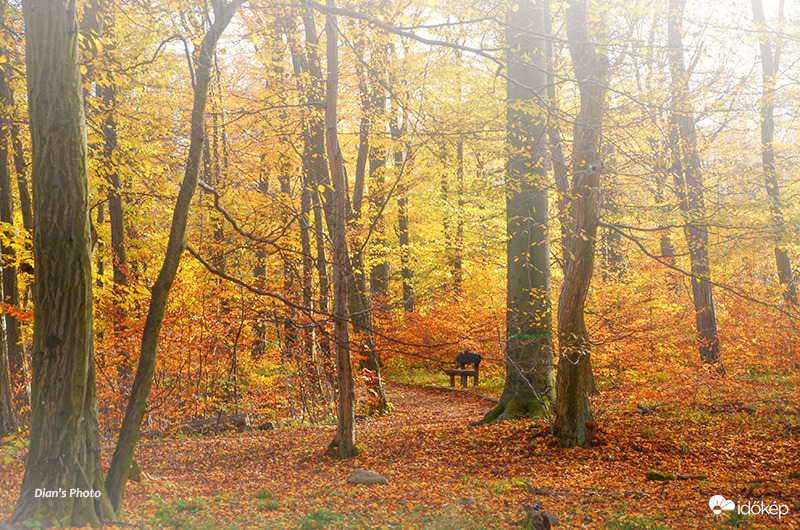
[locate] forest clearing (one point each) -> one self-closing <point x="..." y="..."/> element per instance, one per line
<point x="246" y="245"/>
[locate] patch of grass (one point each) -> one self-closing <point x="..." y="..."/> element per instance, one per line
<point x="454" y="518"/>
<point x="181" y="514"/>
<point x="318" y="519"/>
<point x="634" y="522"/>
<point x="264" y="494"/>
<point x="13" y="446"/>
<point x="268" y="505"/>
<point x="510" y="484"/>
<point x="734" y="520"/>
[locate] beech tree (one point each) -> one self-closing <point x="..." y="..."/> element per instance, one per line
<point x="770" y="61"/>
<point x="530" y="376"/>
<point x="575" y="381"/>
<point x="344" y="439"/>
<point x="134" y="413"/>
<point x="64" y="449"/>
<point x="690" y="189"/>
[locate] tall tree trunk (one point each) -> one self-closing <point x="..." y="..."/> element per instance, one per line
<point x="8" y="417"/>
<point x="12" y="363"/>
<point x="613" y="259"/>
<point x="379" y="272"/>
<point x="344" y="440"/>
<point x="556" y="148"/>
<point x="690" y="190"/>
<point x="530" y="377"/>
<point x="397" y="131"/>
<point x="318" y="169"/>
<point x="770" y="60"/>
<point x="64" y="448"/>
<point x="110" y="167"/>
<point x="137" y="404"/>
<point x="575" y="381"/>
<point x="313" y="366"/>
<point x="359" y="311"/>
<point x="456" y="265"/>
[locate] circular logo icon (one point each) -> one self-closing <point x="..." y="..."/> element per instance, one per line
<point x="718" y="504"/>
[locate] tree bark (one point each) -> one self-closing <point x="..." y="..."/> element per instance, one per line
<point x="530" y="377"/>
<point x="344" y="440"/>
<point x="689" y="187"/>
<point x="770" y="60"/>
<point x="134" y="414"/>
<point x="575" y="381"/>
<point x="64" y="448"/>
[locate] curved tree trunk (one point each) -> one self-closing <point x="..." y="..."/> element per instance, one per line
<point x="575" y="381"/>
<point x="65" y="442"/>
<point x="134" y="414"/>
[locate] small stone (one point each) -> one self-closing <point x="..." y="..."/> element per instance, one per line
<point x="362" y="476"/>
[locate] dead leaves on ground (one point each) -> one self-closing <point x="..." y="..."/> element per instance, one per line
<point x="443" y="472"/>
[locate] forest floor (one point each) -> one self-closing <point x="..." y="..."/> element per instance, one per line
<point x="445" y="474"/>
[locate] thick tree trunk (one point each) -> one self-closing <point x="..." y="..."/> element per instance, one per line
<point x="575" y="381"/>
<point x="770" y="60"/>
<point x="344" y="440"/>
<point x="64" y="448"/>
<point x="134" y="414"/>
<point x="530" y="378"/>
<point x="690" y="190"/>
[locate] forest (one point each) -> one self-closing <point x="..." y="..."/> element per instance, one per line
<point x="464" y="264"/>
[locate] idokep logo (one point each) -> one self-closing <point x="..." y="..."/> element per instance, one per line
<point x="719" y="504"/>
<point x="761" y="508"/>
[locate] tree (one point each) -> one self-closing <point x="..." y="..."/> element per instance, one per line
<point x="690" y="189"/>
<point x="134" y="413"/>
<point x="65" y="442"/>
<point x="10" y="347"/>
<point x="344" y="439"/>
<point x="770" y="60"/>
<point x="530" y="377"/>
<point x="575" y="381"/>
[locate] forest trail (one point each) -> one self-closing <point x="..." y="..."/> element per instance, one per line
<point x="445" y="474"/>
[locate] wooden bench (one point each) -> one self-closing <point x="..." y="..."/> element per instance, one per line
<point x="464" y="359"/>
